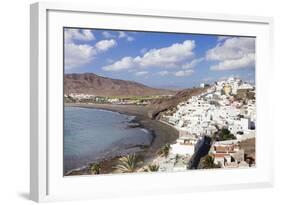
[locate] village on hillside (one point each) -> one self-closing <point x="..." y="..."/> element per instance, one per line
<point x="220" y="122"/>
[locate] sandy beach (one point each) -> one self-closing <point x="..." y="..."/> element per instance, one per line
<point x="162" y="132"/>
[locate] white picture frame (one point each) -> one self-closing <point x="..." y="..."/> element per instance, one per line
<point x="46" y="179"/>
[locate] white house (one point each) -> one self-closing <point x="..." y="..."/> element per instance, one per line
<point x="202" y="85"/>
<point x="184" y="146"/>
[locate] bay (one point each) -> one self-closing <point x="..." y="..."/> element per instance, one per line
<point x="91" y="135"/>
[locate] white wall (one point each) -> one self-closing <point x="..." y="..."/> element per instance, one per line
<point x="14" y="105"/>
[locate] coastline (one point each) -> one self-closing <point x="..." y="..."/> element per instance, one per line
<point x="161" y="132"/>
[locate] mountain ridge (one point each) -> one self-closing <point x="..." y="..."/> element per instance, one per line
<point x="90" y="83"/>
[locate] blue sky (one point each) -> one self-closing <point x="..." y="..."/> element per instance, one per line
<point x="167" y="60"/>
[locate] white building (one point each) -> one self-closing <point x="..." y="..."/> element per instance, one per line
<point x="205" y="113"/>
<point x="184" y="146"/>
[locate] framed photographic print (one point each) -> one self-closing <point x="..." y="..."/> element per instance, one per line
<point x="127" y="102"/>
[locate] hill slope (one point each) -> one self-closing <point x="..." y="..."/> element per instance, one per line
<point x="161" y="105"/>
<point x="89" y="83"/>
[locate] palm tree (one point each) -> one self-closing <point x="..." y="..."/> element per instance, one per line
<point x="152" y="168"/>
<point x="208" y="162"/>
<point x="164" y="151"/>
<point x="94" y="168"/>
<point x="128" y="163"/>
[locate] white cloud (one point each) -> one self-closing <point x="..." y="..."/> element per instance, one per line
<point x="79" y="54"/>
<point x="222" y="38"/>
<point x="168" y="57"/>
<point x="193" y="63"/>
<point x="107" y="34"/>
<point x="233" y="48"/>
<point x="124" y="64"/>
<point x="140" y="73"/>
<point x="246" y="61"/>
<point x="104" y="45"/>
<point x="233" y="53"/>
<point x="78" y="34"/>
<point x="179" y="73"/>
<point x="122" y="34"/>
<point x="183" y="73"/>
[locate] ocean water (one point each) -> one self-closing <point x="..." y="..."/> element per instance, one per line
<point x="92" y="134"/>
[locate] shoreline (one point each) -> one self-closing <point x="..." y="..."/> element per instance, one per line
<point x="160" y="131"/>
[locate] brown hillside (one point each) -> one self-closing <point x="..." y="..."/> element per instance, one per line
<point x="164" y="104"/>
<point x="89" y="83"/>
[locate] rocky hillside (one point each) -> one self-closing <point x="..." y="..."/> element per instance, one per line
<point x="89" y="83"/>
<point x="161" y="105"/>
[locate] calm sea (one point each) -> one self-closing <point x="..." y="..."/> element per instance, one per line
<point x="93" y="134"/>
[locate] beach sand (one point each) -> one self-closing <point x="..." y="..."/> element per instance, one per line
<point x="162" y="132"/>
